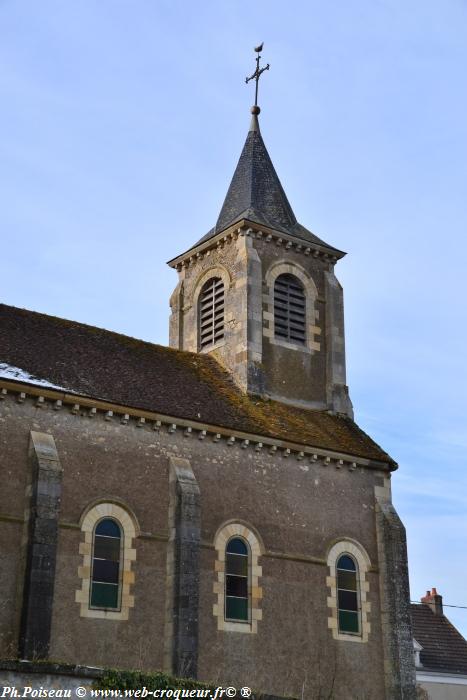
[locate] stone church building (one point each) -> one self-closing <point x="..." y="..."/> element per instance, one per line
<point x="210" y="508"/>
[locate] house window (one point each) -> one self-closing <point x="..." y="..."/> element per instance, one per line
<point x="106" y="565"/>
<point x="348" y="595"/>
<point x="211" y="313"/>
<point x="236" y="580"/>
<point x="289" y="309"/>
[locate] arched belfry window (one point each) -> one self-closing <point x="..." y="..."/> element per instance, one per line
<point x="211" y="312"/>
<point x="289" y="309"/>
<point x="237" y="567"/>
<point x="105" y="586"/>
<point x="348" y="595"/>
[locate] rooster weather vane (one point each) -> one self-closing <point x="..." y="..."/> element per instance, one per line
<point x="256" y="75"/>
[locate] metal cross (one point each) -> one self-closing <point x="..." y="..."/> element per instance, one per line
<point x="257" y="72"/>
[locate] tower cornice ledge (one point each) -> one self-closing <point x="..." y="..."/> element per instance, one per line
<point x="265" y="233"/>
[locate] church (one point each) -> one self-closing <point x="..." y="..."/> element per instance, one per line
<point x="210" y="509"/>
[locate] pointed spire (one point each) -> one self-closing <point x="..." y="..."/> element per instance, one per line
<point x="255" y="191"/>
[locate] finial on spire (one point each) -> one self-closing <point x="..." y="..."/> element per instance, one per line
<point x="255" y="110"/>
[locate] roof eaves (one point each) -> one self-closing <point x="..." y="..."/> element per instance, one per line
<point x="101" y="403"/>
<point x="240" y="223"/>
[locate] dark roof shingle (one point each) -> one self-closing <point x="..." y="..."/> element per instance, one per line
<point x="444" y="648"/>
<point x="129" y="372"/>
<point x="255" y="194"/>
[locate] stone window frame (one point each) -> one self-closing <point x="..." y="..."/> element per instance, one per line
<point x="130" y="530"/>
<point x="215" y="271"/>
<point x="121" y="538"/>
<point x="255" y="592"/>
<point x="355" y="550"/>
<point x="313" y="331"/>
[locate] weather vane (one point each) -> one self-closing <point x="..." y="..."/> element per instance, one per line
<point x="257" y="73"/>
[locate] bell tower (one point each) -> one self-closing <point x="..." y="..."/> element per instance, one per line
<point x="258" y="292"/>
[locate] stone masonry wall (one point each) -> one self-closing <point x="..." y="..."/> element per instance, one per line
<point x="313" y="374"/>
<point x="299" y="509"/>
<point x="230" y="262"/>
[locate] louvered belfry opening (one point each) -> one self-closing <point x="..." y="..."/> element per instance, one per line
<point x="289" y="309"/>
<point x="211" y="313"/>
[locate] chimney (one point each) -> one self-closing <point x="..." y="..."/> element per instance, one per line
<point x="434" y="600"/>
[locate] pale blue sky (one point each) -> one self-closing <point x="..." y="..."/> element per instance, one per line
<point x="121" y="124"/>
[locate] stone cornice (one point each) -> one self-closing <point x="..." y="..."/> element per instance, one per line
<point x="269" y="235"/>
<point x="88" y="407"/>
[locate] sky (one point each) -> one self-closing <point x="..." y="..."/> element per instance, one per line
<point x="121" y="125"/>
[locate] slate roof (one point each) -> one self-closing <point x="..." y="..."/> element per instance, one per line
<point x="137" y="374"/>
<point x="256" y="194"/>
<point x="444" y="648"/>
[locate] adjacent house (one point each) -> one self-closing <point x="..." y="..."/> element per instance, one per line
<point x="440" y="650"/>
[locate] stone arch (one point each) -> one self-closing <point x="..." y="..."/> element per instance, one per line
<point x="203" y="277"/>
<point x="282" y="267"/>
<point x="119" y="504"/>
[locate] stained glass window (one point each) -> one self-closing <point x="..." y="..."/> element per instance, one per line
<point x="237" y="562"/>
<point x="106" y="562"/>
<point x="348" y="595"/>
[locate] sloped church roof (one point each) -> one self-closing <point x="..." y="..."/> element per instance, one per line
<point x="255" y="194"/>
<point x="104" y="365"/>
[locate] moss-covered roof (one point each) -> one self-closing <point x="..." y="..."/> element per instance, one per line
<point x="133" y="373"/>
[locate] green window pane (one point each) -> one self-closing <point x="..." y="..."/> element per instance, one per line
<point x="104" y="595"/>
<point x="348" y="622"/>
<point x="347" y="580"/>
<point x="236" y="609"/>
<point x="107" y="548"/>
<point x="236" y="564"/>
<point x="347" y="600"/>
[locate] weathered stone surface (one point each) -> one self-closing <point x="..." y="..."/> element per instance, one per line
<point x="312" y="376"/>
<point x="41" y="547"/>
<point x="49" y="676"/>
<point x="183" y="570"/>
<point x="399" y="664"/>
<point x="295" y="506"/>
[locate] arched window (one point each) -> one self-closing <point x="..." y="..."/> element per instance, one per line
<point x="289" y="309"/>
<point x="237" y="566"/>
<point x="348" y="595"/>
<point x="105" y="586"/>
<point x="211" y="312"/>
